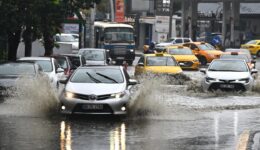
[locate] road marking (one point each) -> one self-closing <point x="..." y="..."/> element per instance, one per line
<point x="243" y="140"/>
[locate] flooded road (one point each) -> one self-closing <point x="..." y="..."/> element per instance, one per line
<point x="161" y="117"/>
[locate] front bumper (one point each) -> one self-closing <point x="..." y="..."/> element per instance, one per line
<point x="227" y="85"/>
<point x="109" y="106"/>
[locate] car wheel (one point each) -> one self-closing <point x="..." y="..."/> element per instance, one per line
<point x="258" y="53"/>
<point x="203" y="60"/>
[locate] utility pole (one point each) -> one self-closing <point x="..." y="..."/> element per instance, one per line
<point x="92" y="18"/>
<point x="170" y="19"/>
<point x="112" y="10"/>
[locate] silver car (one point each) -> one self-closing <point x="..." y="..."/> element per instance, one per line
<point x="97" y="90"/>
<point x="94" y="56"/>
<point x="228" y="75"/>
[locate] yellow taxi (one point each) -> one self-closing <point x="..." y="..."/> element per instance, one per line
<point x="184" y="56"/>
<point x="253" y="46"/>
<point x="204" y="51"/>
<point x="159" y="63"/>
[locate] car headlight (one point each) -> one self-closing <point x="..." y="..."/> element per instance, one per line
<point x="208" y="79"/>
<point x="246" y="80"/>
<point x="118" y="95"/>
<point x="107" y="50"/>
<point x="69" y="94"/>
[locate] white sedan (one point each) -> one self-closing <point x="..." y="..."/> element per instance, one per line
<point x="97" y="90"/>
<point x="228" y="75"/>
<point x="49" y="66"/>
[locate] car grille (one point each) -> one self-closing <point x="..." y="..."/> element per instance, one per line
<point x="237" y="86"/>
<point x="79" y="108"/>
<point x="120" y="50"/>
<point x="186" y="63"/>
<point x="88" y="97"/>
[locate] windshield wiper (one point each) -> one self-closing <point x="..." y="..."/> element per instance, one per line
<point x="92" y="78"/>
<point x="213" y="70"/>
<point x="107" y="77"/>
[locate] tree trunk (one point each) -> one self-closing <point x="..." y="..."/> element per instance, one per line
<point x="48" y="43"/>
<point x="27" y="37"/>
<point x="13" y="43"/>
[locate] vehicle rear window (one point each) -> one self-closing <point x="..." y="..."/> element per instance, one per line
<point x="46" y="65"/>
<point x="97" y="75"/>
<point x="160" y="61"/>
<point x="75" y="61"/>
<point x="17" y="69"/>
<point x="94" y="55"/>
<point x="240" y="56"/>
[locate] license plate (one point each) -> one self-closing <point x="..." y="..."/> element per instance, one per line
<point x="92" y="106"/>
<point x="120" y="58"/>
<point x="227" y="86"/>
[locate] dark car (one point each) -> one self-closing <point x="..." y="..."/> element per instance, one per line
<point x="75" y="59"/>
<point x="65" y="63"/>
<point x="11" y="71"/>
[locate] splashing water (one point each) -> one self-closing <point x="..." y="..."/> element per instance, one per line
<point x="31" y="97"/>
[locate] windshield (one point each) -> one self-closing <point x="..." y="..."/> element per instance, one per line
<point x="46" y="65"/>
<point x="206" y="47"/>
<point x="240" y="56"/>
<point x="180" y="51"/>
<point x="94" y="55"/>
<point x="17" y="69"/>
<point x="117" y="34"/>
<point x="160" y="61"/>
<point x="98" y="75"/>
<point x="252" y="42"/>
<point x="229" y="65"/>
<point x="65" y="38"/>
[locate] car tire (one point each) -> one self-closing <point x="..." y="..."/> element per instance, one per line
<point x="203" y="60"/>
<point x="258" y="53"/>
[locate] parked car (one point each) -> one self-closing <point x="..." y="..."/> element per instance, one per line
<point x="66" y="38"/>
<point x="204" y="51"/>
<point x="173" y="41"/>
<point x="184" y="56"/>
<point x="97" y="90"/>
<point x="50" y="66"/>
<point x="94" y="56"/>
<point x="228" y="74"/>
<point x="253" y="46"/>
<point x="10" y="71"/>
<point x="76" y="59"/>
<point x="157" y="63"/>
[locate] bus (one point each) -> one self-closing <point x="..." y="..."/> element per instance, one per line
<point x="118" y="39"/>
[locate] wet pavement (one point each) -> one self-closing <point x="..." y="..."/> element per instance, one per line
<point x="161" y="117"/>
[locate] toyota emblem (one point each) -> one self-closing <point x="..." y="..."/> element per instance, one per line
<point x="92" y="97"/>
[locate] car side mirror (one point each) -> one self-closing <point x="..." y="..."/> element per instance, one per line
<point x="59" y="70"/>
<point x="132" y="82"/>
<point x="203" y="70"/>
<point x="254" y="71"/>
<point x="140" y="64"/>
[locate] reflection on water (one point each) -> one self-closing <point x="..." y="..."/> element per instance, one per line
<point x="118" y="138"/>
<point x="216" y="131"/>
<point x="65" y="136"/>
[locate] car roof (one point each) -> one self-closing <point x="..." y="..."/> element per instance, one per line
<point x="158" y="54"/>
<point x="35" y="58"/>
<point x="86" y="49"/>
<point x="17" y="62"/>
<point x="76" y="55"/>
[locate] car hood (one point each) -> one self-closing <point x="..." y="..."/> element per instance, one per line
<point x="164" y="44"/>
<point x="164" y="69"/>
<point x="95" y="88"/>
<point x="227" y="75"/>
<point x="185" y="57"/>
<point x="95" y="63"/>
